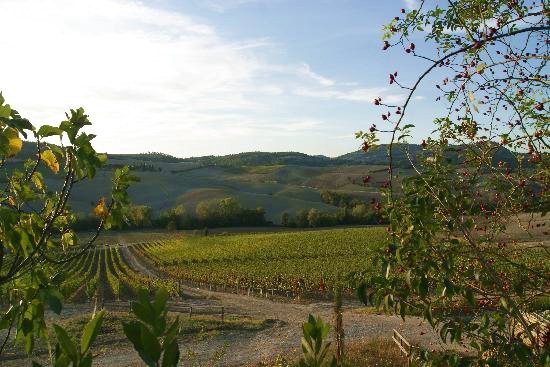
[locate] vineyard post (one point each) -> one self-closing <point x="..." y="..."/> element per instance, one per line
<point x="190" y="311"/>
<point x="223" y="314"/>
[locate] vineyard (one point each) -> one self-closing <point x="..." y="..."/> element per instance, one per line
<point x="290" y="261"/>
<point x="103" y="272"/>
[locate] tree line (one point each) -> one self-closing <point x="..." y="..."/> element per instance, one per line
<point x="227" y="212"/>
<point x="351" y="211"/>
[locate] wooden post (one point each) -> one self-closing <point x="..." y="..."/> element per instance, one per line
<point x="338" y="325"/>
<point x="190" y="311"/>
<point x="403" y="345"/>
<point x="223" y="314"/>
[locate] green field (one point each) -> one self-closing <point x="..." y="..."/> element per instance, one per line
<point x="293" y="261"/>
<point x="104" y="272"/>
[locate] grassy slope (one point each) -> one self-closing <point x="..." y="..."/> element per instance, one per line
<point x="282" y="188"/>
<point x="277" y="182"/>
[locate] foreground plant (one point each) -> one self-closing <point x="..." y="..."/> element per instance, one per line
<point x="483" y="171"/>
<point x="316" y="350"/>
<point x="151" y="336"/>
<point x="67" y="352"/>
<point x="35" y="223"/>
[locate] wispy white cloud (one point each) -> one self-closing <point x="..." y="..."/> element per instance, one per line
<point x="306" y="71"/>
<point x="158" y="80"/>
<point x="125" y="62"/>
<point x="354" y="95"/>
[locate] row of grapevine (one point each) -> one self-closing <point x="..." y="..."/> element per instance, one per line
<point x="103" y="272"/>
<point x="289" y="261"/>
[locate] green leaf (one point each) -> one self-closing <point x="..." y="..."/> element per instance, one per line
<point x="90" y="331"/>
<point x="67" y="345"/>
<point x="5" y="111"/>
<point x="47" y="130"/>
<point x="132" y="332"/>
<point x="54" y="301"/>
<point x="151" y="346"/>
<point x="86" y="361"/>
<point x="171" y="355"/>
<point x="161" y="297"/>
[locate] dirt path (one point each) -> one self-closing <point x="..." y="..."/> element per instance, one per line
<point x="284" y="336"/>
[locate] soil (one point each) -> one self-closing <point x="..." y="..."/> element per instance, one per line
<point x="237" y="348"/>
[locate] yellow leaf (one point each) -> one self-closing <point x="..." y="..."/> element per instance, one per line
<point x="11" y="201"/>
<point x="14" y="142"/>
<point x="100" y="210"/>
<point x="480" y="68"/>
<point x="50" y="160"/>
<point x="471" y="97"/>
<point x="37" y="180"/>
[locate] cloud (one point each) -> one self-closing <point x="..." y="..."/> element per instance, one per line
<point x="221" y="6"/>
<point x="354" y="95"/>
<point x="158" y="80"/>
<point x="412" y="4"/>
<point x="127" y="63"/>
<point x="306" y="71"/>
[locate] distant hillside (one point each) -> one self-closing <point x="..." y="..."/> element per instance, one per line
<point x="278" y="182"/>
<point x="264" y="159"/>
<point x="376" y="156"/>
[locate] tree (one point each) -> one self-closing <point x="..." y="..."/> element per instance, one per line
<point x="140" y="216"/>
<point x="449" y="252"/>
<point x="302" y="218"/>
<point x="36" y="235"/>
<point x="314" y="217"/>
<point x="174" y="218"/>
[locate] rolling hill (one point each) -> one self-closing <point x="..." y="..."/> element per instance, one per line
<point x="278" y="182"/>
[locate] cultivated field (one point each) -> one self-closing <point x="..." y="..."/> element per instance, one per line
<point x="303" y="261"/>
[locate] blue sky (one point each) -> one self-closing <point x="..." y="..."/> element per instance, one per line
<point x="201" y="77"/>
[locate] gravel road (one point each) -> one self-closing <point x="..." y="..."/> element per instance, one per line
<point x="242" y="347"/>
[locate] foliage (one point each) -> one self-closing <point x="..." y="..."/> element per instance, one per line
<point x="288" y="261"/>
<point x="151" y="336"/>
<point x="361" y="214"/>
<point x="316" y="351"/>
<point x="228" y="212"/>
<point x="449" y="247"/>
<point x="67" y="353"/>
<point x="35" y="222"/>
<point x="344" y="200"/>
